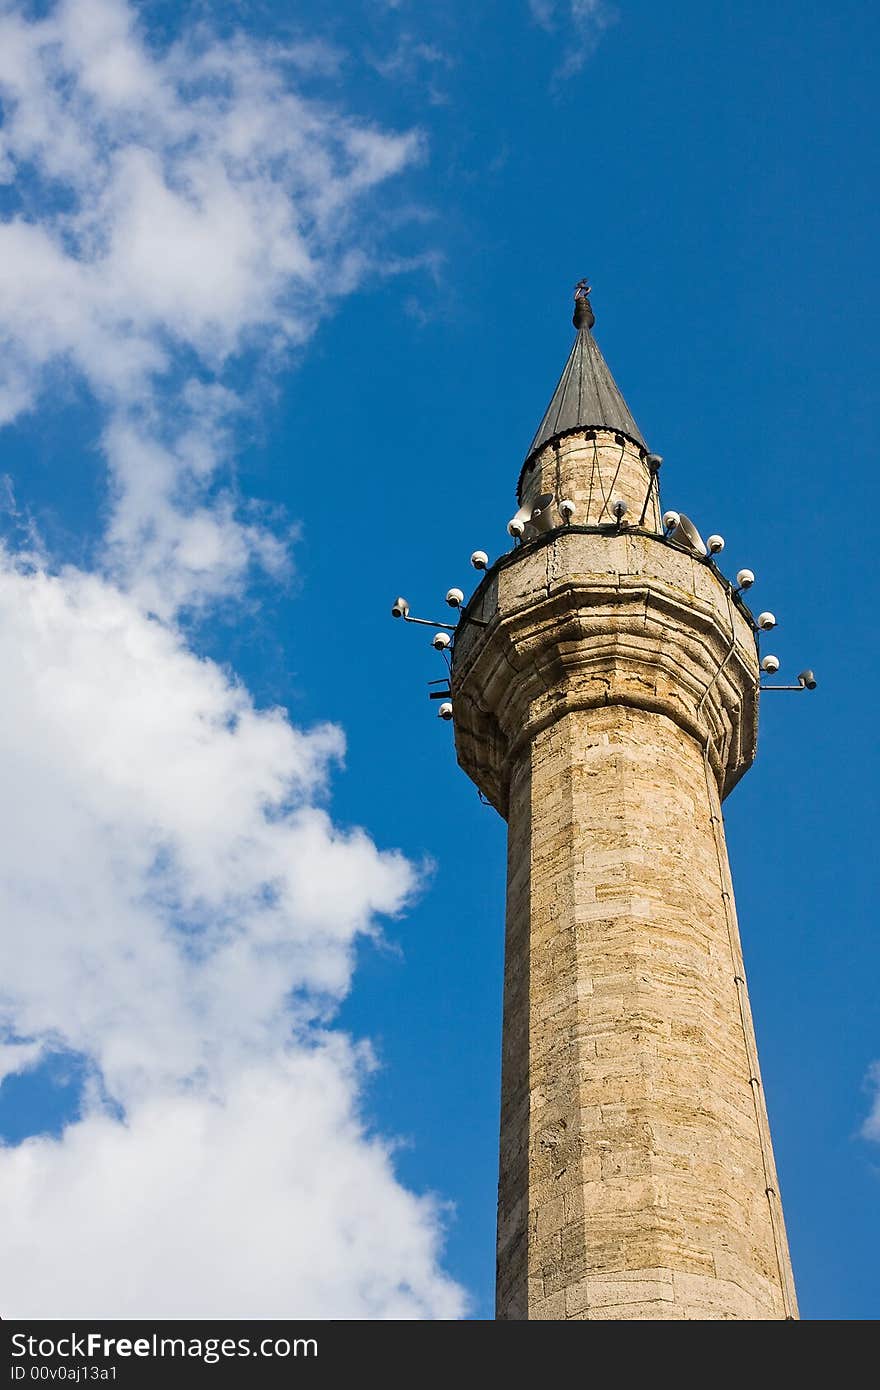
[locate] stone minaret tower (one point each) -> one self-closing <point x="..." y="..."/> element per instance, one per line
<point x="605" y="697"/>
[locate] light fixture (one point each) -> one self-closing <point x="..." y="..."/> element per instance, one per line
<point x="805" y="681"/>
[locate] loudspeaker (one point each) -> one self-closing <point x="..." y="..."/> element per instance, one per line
<point x="537" y="516"/>
<point x="687" y="535"/>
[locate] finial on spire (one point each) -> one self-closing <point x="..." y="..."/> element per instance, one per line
<point x="583" y="316"/>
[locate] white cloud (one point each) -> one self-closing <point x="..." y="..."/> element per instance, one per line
<point x="176" y="800"/>
<point x="269" y="1202"/>
<point x="191" y="204"/>
<point x="583" y="23"/>
<point x="411" y="60"/>
<point x="179" y="909"/>
<point x="16" y="1057"/>
<point x="167" y="542"/>
<point x="871" y="1126"/>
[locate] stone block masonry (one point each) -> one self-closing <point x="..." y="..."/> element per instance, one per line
<point x="606" y="707"/>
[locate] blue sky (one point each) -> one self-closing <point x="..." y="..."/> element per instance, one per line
<point x="219" y="451"/>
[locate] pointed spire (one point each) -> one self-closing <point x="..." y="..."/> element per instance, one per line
<point x="586" y="396"/>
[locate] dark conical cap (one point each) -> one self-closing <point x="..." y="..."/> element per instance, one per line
<point x="586" y="396"/>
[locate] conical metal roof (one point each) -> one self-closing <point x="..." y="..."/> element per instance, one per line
<point x="586" y="395"/>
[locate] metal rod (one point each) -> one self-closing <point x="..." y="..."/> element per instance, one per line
<point x="647" y="500"/>
<point x="426" y="622"/>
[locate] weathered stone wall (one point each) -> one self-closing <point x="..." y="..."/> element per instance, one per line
<point x="593" y="468"/>
<point x="633" y="1180"/>
<point x="605" y="699"/>
<point x="581" y="620"/>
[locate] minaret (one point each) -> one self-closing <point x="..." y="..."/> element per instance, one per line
<point x="605" y="685"/>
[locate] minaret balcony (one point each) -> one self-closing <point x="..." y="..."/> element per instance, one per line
<point x="583" y="618"/>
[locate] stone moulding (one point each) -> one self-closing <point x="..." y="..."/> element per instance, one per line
<point x="590" y="620"/>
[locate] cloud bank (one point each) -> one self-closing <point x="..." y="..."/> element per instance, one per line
<point x="179" y="909"/>
<point x="171" y="208"/>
